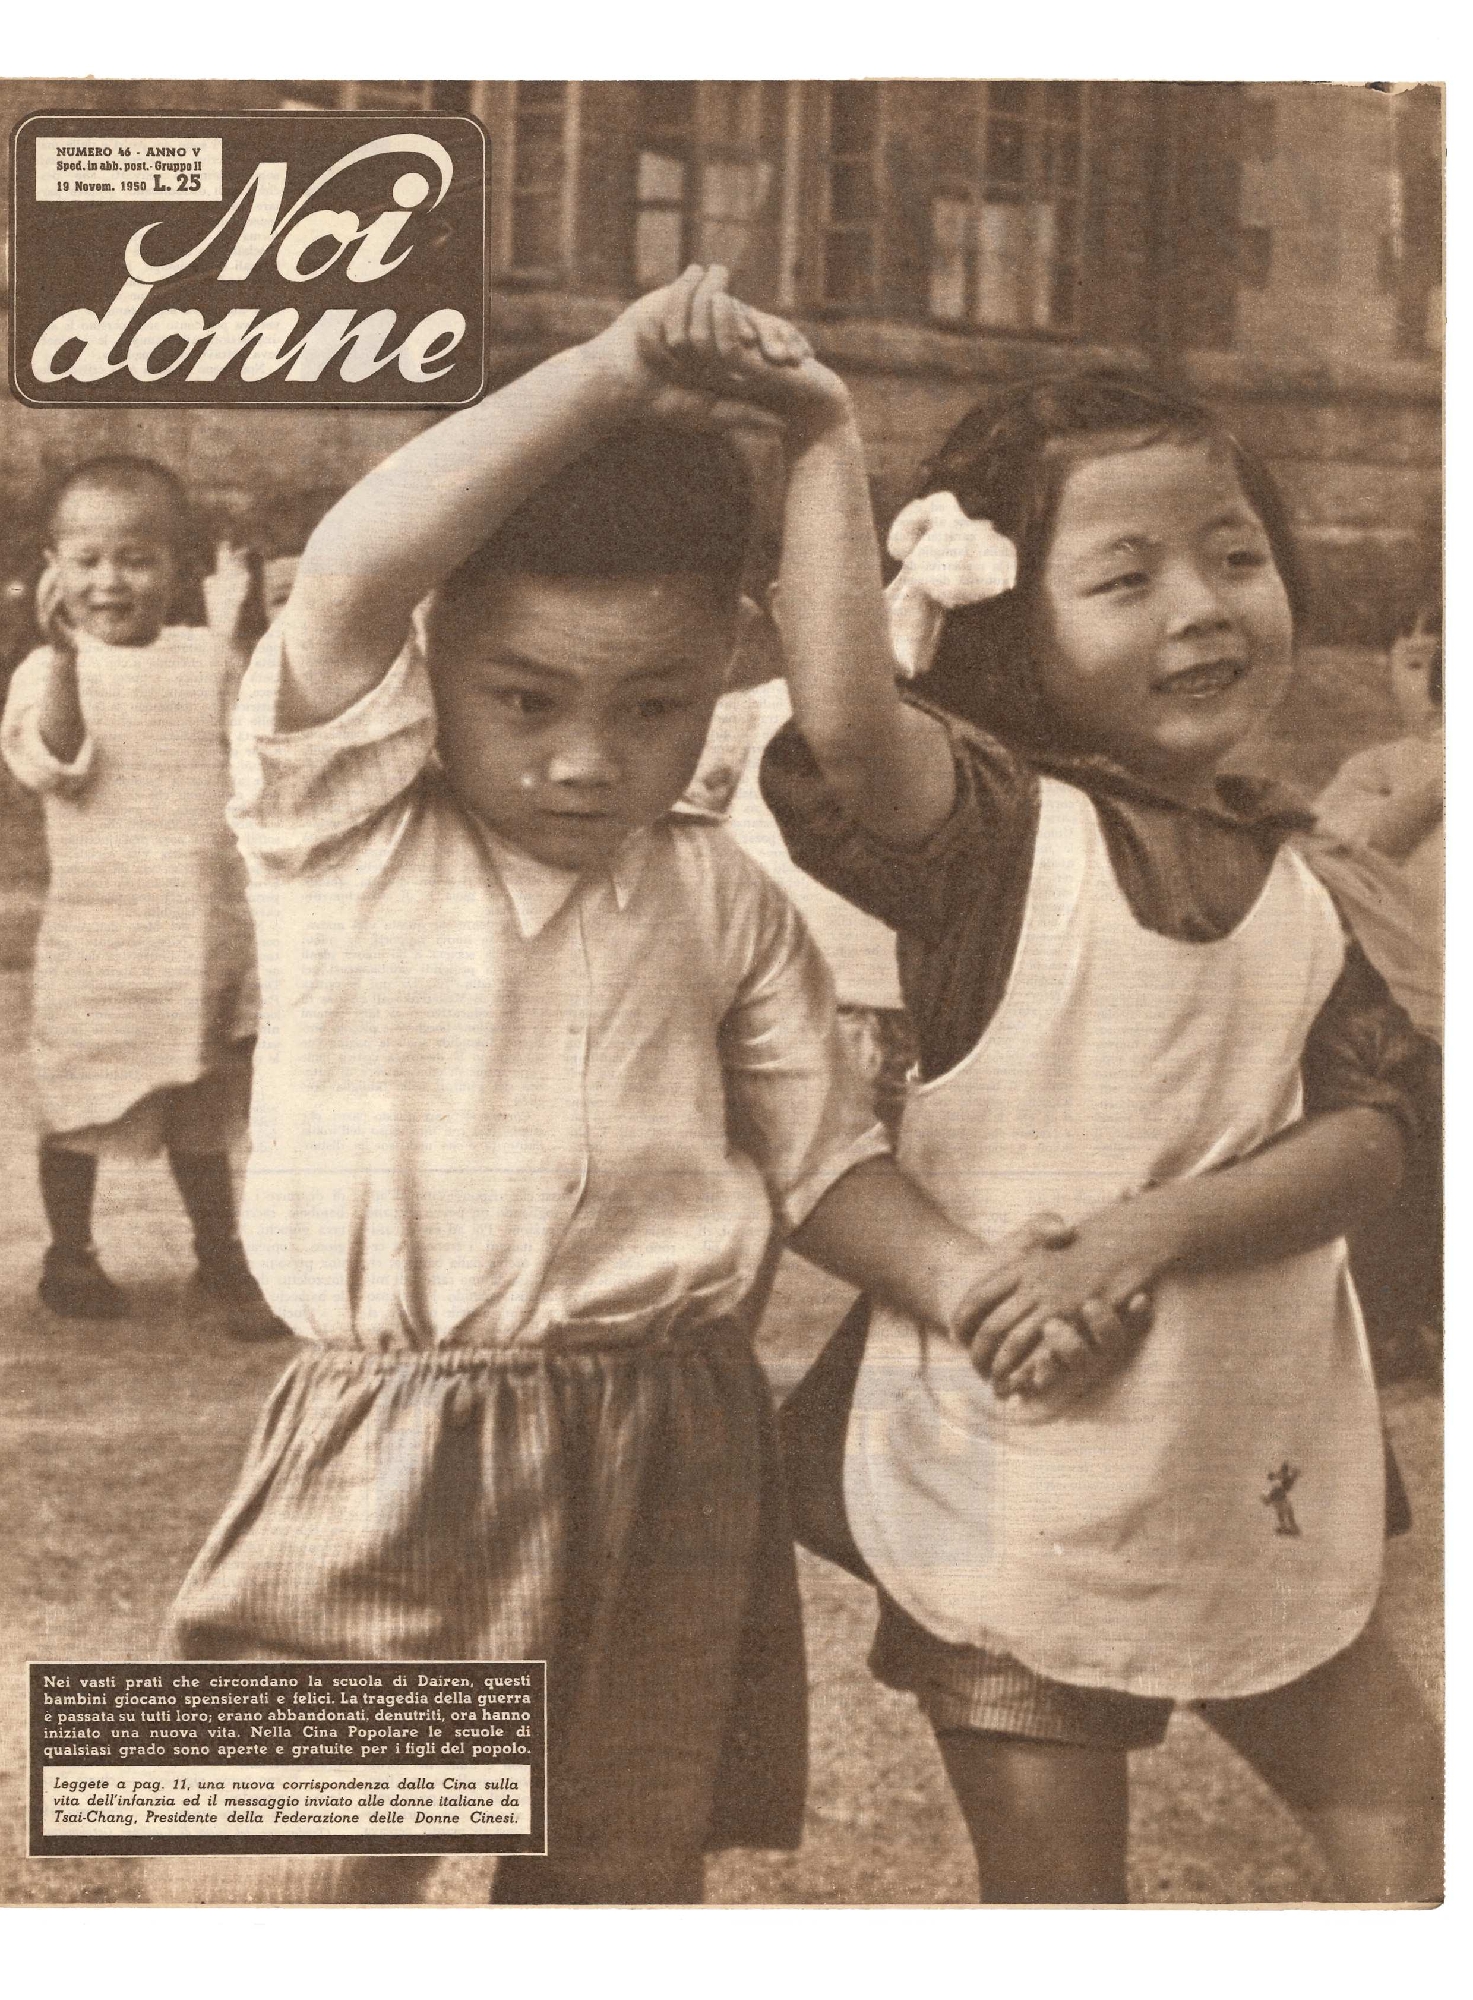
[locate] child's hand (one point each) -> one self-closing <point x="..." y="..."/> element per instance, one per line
<point x="227" y="589"/>
<point x="1068" y="1353"/>
<point x="51" y="612"/>
<point x="997" y="1272"/>
<point x="1081" y="1306"/>
<point x="1072" y="1358"/>
<point x="694" y="354"/>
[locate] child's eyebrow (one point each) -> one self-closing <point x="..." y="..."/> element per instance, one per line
<point x="1239" y="516"/>
<point x="1117" y="545"/>
<point x="523" y="663"/>
<point x="673" y="670"/>
<point x="506" y="658"/>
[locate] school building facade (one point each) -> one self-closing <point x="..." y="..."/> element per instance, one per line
<point x="1275" y="246"/>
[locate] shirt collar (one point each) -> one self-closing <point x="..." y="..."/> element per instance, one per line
<point x="538" y="892"/>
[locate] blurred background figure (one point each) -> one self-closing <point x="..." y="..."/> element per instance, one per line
<point x="1380" y="848"/>
<point x="1389" y="799"/>
<point x="144" y="981"/>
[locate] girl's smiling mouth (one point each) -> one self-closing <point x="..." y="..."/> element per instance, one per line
<point x="1202" y="681"/>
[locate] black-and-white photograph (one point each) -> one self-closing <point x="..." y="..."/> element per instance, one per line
<point x="721" y="993"/>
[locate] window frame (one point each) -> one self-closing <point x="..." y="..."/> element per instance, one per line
<point x="971" y="187"/>
<point x="497" y="108"/>
<point x="698" y="152"/>
<point x="332" y="94"/>
<point x="874" y="300"/>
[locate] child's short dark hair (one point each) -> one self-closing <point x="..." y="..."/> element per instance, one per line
<point x="648" y="501"/>
<point x="131" y="477"/>
<point x="1006" y="462"/>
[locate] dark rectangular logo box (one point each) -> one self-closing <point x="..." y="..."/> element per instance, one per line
<point x="256" y="259"/>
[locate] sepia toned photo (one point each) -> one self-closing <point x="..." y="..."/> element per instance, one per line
<point x="721" y="969"/>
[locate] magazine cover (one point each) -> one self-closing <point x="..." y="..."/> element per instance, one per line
<point x="721" y="895"/>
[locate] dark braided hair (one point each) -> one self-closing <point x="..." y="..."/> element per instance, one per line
<point x="1006" y="462"/>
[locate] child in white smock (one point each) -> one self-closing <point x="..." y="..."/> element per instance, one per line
<point x="145" y="995"/>
<point x="1136" y="1006"/>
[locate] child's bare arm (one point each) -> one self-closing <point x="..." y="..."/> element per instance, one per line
<point x="1397" y="824"/>
<point x="412" y="520"/>
<point x="59" y="711"/>
<point x="1306" y="1188"/>
<point x="889" y="763"/>
<point x="879" y="1231"/>
<point x="227" y="590"/>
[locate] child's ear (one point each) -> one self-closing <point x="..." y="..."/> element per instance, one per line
<point x="757" y="653"/>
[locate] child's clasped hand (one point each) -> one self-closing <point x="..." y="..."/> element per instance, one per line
<point x="1060" y="1308"/>
<point x="694" y="355"/>
<point x="1068" y="1306"/>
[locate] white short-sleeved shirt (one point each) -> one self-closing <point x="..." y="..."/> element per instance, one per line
<point x="498" y="1103"/>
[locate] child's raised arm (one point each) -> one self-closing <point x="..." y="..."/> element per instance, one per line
<point x="59" y="710"/>
<point x="412" y="520"/>
<point x="889" y="763"/>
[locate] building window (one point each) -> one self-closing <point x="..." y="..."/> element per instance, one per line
<point x="312" y="94"/>
<point x="440" y="96"/>
<point x="665" y="166"/>
<point x="1005" y="217"/>
<point x="851" y="220"/>
<point x="738" y="179"/>
<point x="1204" y="215"/>
<point x="317" y="95"/>
<point x="705" y="182"/>
<point x="542" y="173"/>
<point x="1412" y="254"/>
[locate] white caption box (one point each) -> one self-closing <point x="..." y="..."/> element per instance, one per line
<point x="102" y="169"/>
<point x="105" y="1800"/>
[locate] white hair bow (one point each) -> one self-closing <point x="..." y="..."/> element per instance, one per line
<point x="947" y="559"/>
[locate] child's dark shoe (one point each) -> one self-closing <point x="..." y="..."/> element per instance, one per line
<point x="225" y="1277"/>
<point x="75" y="1286"/>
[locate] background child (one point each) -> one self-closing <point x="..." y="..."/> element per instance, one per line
<point x="144" y="1003"/>
<point x="1378" y="844"/>
<point x="543" y="1069"/>
<point x="1137" y="1006"/>
<point x="1390" y="798"/>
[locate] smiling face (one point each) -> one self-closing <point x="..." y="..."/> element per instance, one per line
<point x="1165" y="631"/>
<point x="117" y="571"/>
<point x="573" y="711"/>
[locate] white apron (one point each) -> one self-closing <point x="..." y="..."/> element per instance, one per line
<point x="1210" y="1521"/>
<point x="145" y="959"/>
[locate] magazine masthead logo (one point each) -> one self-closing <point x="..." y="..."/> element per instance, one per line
<point x="339" y="268"/>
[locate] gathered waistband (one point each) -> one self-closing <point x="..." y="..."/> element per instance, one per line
<point x="726" y="1338"/>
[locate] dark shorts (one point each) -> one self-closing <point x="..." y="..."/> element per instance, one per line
<point x="970" y="1687"/>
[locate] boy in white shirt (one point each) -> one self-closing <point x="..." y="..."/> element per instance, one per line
<point x="542" y="1074"/>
